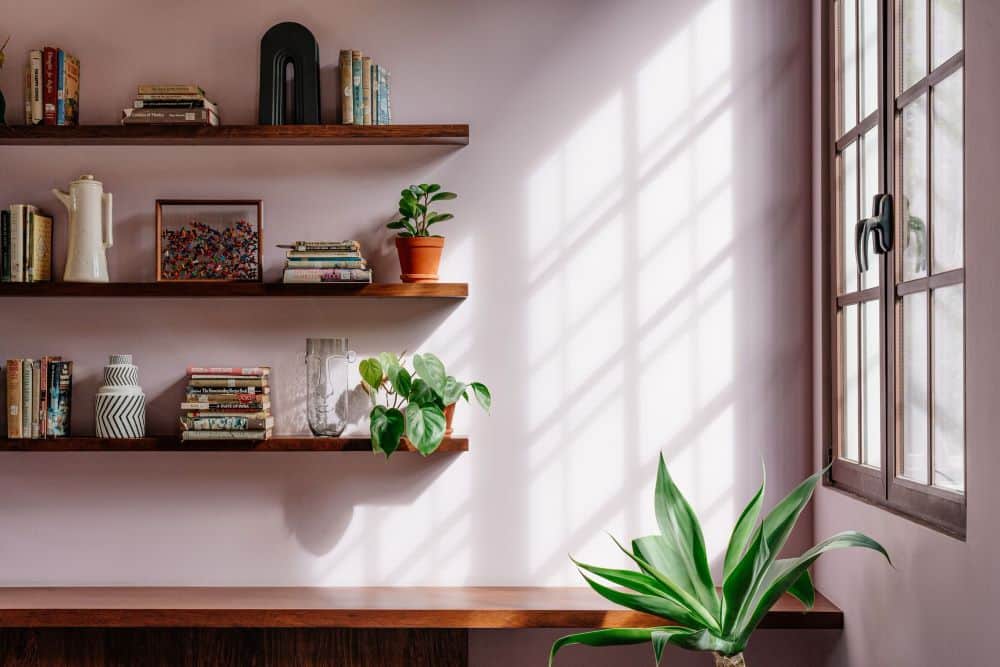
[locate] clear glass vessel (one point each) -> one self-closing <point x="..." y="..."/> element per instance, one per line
<point x="328" y="361"/>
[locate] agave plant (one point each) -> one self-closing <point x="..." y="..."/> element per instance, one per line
<point x="673" y="581"/>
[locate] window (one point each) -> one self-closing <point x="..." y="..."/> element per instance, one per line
<point x="895" y="241"/>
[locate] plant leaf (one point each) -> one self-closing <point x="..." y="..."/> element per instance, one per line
<point x="452" y="390"/>
<point x="802" y="589"/>
<point x="431" y="369"/>
<point x="443" y="196"/>
<point x="371" y="373"/>
<point x="742" y="530"/>
<point x="679" y="525"/>
<point x="432" y="188"/>
<point x="402" y="381"/>
<point x="657" y="605"/>
<point x="386" y="429"/>
<point x="636" y="581"/>
<point x="425" y="426"/>
<point x="482" y="394"/>
<point x="396" y="224"/>
<point x="614" y="637"/>
<point x="422" y="394"/>
<point x="409" y="194"/>
<point x="439" y="217"/>
<point x="744" y="578"/>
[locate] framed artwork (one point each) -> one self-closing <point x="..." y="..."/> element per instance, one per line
<point x="209" y="240"/>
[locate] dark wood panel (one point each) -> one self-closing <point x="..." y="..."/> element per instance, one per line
<point x="220" y="289"/>
<point x="203" y="647"/>
<point x="449" y="607"/>
<point x="150" y="135"/>
<point x="173" y="443"/>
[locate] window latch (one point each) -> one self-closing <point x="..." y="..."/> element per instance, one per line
<point x="880" y="224"/>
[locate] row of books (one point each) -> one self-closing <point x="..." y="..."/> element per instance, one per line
<point x="225" y="403"/>
<point x="25" y="244"/>
<point x="39" y="397"/>
<point x="365" y="90"/>
<point x="325" y="262"/>
<point x="51" y="88"/>
<point x="184" y="104"/>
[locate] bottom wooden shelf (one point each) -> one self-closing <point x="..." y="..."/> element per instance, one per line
<point x="173" y="443"/>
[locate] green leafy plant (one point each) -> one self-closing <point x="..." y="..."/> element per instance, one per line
<point x="413" y="403"/>
<point x="674" y="582"/>
<point x="415" y="216"/>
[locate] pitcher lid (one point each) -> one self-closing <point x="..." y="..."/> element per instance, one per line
<point x="86" y="178"/>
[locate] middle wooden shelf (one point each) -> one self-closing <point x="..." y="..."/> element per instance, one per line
<point x="173" y="443"/>
<point x="235" y="289"/>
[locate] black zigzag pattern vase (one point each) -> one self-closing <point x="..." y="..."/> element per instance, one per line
<point x="121" y="405"/>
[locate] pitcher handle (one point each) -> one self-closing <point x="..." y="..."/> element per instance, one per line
<point x="106" y="219"/>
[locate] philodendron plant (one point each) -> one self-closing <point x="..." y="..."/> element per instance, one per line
<point x="415" y="216"/>
<point x="673" y="580"/>
<point x="413" y="403"/>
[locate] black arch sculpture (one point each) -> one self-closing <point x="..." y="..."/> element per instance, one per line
<point x="288" y="43"/>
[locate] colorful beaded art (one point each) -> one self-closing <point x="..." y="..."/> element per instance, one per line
<point x="197" y="251"/>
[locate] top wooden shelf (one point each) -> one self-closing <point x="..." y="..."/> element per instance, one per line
<point x="230" y="290"/>
<point x="235" y="135"/>
<point x="265" y="607"/>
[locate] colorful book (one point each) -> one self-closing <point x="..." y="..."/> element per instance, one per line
<point x="38" y="267"/>
<point x="318" y="263"/>
<point x="15" y="399"/>
<point x="50" y="85"/>
<point x="216" y="371"/>
<point x="328" y="275"/>
<point x="307" y="246"/>
<point x="232" y="398"/>
<point x="169" y="97"/>
<point x="358" y="112"/>
<point x="72" y="90"/>
<point x="327" y="255"/>
<point x="383" y="97"/>
<point x="60" y="397"/>
<point x="231" y="381"/>
<point x="37" y="84"/>
<point x="176" y="104"/>
<point x="366" y="91"/>
<point x="374" y="83"/>
<point x="27" y="374"/>
<point x="347" y="88"/>
<point x="169" y="117"/>
<point x="226" y="435"/>
<point x="255" y="406"/>
<point x="214" y="391"/>
<point x="60" y="87"/>
<point x="170" y="89"/>
<point x="35" y="386"/>
<point x="228" y="423"/>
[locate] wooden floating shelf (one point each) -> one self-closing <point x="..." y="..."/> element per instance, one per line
<point x="173" y="443"/>
<point x="211" y="289"/>
<point x="235" y="135"/>
<point x="265" y="607"/>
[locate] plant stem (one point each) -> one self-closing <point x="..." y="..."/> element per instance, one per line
<point x="729" y="660"/>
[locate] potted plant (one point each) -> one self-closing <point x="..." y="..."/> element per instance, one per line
<point x="416" y="405"/>
<point x="420" y="251"/>
<point x="673" y="580"/>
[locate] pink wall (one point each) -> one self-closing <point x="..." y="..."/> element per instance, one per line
<point x="936" y="606"/>
<point x="633" y="225"/>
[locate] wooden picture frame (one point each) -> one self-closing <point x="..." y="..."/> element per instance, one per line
<point x="256" y="205"/>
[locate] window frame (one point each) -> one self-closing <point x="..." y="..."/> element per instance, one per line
<point x="936" y="507"/>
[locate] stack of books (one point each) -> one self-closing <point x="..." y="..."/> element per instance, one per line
<point x="25" y="245"/>
<point x="325" y="262"/>
<point x="365" y="90"/>
<point x="224" y="403"/>
<point x="183" y="104"/>
<point x="39" y="397"/>
<point x="51" y="88"/>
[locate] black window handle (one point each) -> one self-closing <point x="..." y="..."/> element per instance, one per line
<point x="881" y="224"/>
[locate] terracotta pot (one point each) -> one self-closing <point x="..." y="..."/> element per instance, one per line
<point x="449" y="414"/>
<point x="419" y="258"/>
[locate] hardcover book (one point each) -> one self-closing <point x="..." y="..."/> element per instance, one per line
<point x="5" y="246"/>
<point x="229" y="423"/>
<point x="328" y="275"/>
<point x="35" y="63"/>
<point x="347" y="88"/>
<point x="383" y="97"/>
<point x="15" y="399"/>
<point x="60" y="383"/>
<point x="226" y="435"/>
<point x="35" y="388"/>
<point x="50" y="91"/>
<point x="72" y="90"/>
<point x="169" y="117"/>
<point x="230" y="398"/>
<point x="320" y="263"/>
<point x="170" y="89"/>
<point x="230" y="381"/>
<point x="27" y="367"/>
<point x="358" y="112"/>
<point x="39" y="264"/>
<point x="215" y="371"/>
<point x="176" y="104"/>
<point x="256" y="406"/>
<point x="307" y="246"/>
<point x="366" y="91"/>
<point x="60" y="87"/>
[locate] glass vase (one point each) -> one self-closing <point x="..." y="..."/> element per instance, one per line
<point x="328" y="361"/>
<point x="729" y="660"/>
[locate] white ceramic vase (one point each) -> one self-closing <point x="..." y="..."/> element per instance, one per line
<point x="89" y="208"/>
<point x="120" y="404"/>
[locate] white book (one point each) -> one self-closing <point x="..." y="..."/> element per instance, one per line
<point x="26" y="382"/>
<point x="35" y="377"/>
<point x="35" y="63"/>
<point x="19" y="215"/>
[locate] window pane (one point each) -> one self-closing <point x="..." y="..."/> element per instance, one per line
<point x="946" y="30"/>
<point x="914" y="171"/>
<point x="947" y="173"/>
<point x="849" y="365"/>
<point x="869" y="57"/>
<point x="870" y="188"/>
<point x="872" y="381"/>
<point x="848" y="65"/>
<point x="849" y="217"/>
<point x="913" y="38"/>
<point x="949" y="388"/>
<point x="913" y="463"/>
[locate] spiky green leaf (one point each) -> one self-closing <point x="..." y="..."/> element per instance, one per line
<point x="616" y="637"/>
<point x="803" y="590"/>
<point x="743" y="530"/>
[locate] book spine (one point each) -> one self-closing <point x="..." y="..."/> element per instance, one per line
<point x="60" y="87"/>
<point x="175" y="104"/>
<point x="216" y="391"/>
<point x="184" y="89"/>
<point x="50" y="92"/>
<point x="5" y="246"/>
<point x="29" y="244"/>
<point x="14" y="398"/>
<point x="366" y="91"/>
<point x="35" y="62"/>
<point x="43" y="397"/>
<point x="232" y="397"/>
<point x="305" y="246"/>
<point x="233" y="423"/>
<point x="227" y="370"/>
<point x="40" y="248"/>
<point x="26" y="374"/>
<point x="388" y="99"/>
<point x="226" y="435"/>
<point x="234" y="381"/>
<point x="226" y="406"/>
<point x="72" y="90"/>
<point x="383" y="98"/>
<point x="16" y="243"/>
<point x="375" y="105"/>
<point x="171" y="116"/>
<point x="358" y="112"/>
<point x="241" y="412"/>
<point x="65" y="407"/>
<point x="346" y="88"/>
<point x="27" y="92"/>
<point x="328" y="276"/>
<point x="170" y="98"/>
<point x="325" y="264"/>
<point x="324" y="256"/>
<point x="35" y="388"/>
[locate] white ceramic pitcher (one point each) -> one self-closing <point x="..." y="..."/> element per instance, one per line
<point x="89" y="230"/>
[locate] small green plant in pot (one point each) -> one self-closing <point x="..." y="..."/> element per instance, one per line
<point x="420" y="251"/>
<point x="674" y="582"/>
<point x="416" y="404"/>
